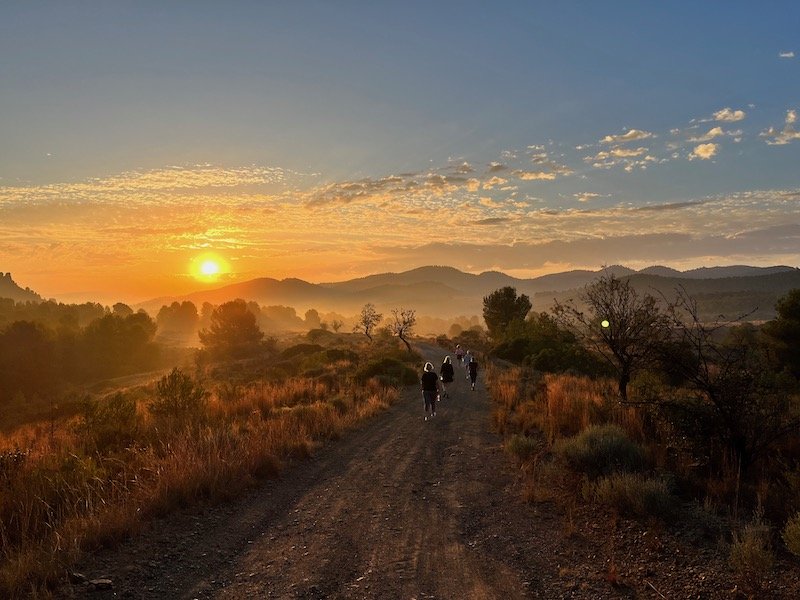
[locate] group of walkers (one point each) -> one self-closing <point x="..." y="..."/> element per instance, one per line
<point x="434" y="386"/>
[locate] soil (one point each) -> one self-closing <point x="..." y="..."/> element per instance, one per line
<point x="408" y="508"/>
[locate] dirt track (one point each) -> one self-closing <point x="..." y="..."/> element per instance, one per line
<point x="404" y="508"/>
<point x="401" y="508"/>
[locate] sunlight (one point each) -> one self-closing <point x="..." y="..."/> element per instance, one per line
<point x="208" y="267"/>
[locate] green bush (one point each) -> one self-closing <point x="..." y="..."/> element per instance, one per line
<point x="637" y="495"/>
<point x="791" y="534"/>
<point x="177" y="395"/>
<point x="389" y="370"/>
<point x="523" y="447"/>
<point x="601" y="450"/>
<point x="300" y="350"/>
<point x="111" y="422"/>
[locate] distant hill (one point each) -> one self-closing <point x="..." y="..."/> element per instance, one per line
<point x="447" y="292"/>
<point x="9" y="289"/>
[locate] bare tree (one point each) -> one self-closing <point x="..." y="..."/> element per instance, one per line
<point x="626" y="329"/>
<point x="336" y="325"/>
<point x="403" y="326"/>
<point x="368" y="320"/>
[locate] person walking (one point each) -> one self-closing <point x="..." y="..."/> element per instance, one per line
<point x="430" y="389"/>
<point x="472" y="367"/>
<point x="459" y="354"/>
<point x="447" y="375"/>
<point x="467" y="358"/>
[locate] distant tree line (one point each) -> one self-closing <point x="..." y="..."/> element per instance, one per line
<point x="38" y="359"/>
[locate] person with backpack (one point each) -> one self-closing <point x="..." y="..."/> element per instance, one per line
<point x="472" y="367"/>
<point x="430" y="389"/>
<point x="459" y="354"/>
<point x="447" y="374"/>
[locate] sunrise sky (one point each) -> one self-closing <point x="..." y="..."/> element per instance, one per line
<point x="155" y="148"/>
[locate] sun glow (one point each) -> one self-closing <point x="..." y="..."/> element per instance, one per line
<point x="208" y="267"/>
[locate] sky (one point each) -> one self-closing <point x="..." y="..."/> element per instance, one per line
<point x="155" y="148"/>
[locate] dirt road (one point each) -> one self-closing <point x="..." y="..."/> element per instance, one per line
<point x="401" y="508"/>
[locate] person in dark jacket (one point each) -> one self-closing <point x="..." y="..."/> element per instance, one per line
<point x="430" y="389"/>
<point x="472" y="367"/>
<point x="447" y="373"/>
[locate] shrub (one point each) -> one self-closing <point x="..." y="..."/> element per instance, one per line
<point x="177" y="395"/>
<point x="111" y="422"/>
<point x="389" y="370"/>
<point x="635" y="494"/>
<point x="301" y="350"/>
<point x="523" y="447"/>
<point x="751" y="557"/>
<point x="791" y="534"/>
<point x="601" y="450"/>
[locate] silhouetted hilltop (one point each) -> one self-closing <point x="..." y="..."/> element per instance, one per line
<point x="9" y="289"/>
<point x="447" y="292"/>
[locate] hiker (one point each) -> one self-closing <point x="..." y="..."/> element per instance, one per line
<point x="459" y="353"/>
<point x="447" y="374"/>
<point x="467" y="358"/>
<point x="430" y="389"/>
<point x="472" y="367"/>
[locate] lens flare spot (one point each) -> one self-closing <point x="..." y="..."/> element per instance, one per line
<point x="605" y="324"/>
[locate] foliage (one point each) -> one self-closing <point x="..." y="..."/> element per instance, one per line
<point x="368" y="320"/>
<point x="751" y="556"/>
<point x="738" y="397"/>
<point x="178" y="319"/>
<point x="791" y="534"/>
<point x="403" y="325"/>
<point x="523" y="447"/>
<point x="637" y="495"/>
<point x="110" y="423"/>
<point x="390" y="371"/>
<point x="602" y="450"/>
<point x="784" y="331"/>
<point x="232" y="332"/>
<point x="177" y="395"/>
<point x="503" y="307"/>
<point x="626" y="329"/>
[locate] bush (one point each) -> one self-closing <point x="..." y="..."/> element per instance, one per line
<point x="791" y="535"/>
<point x="523" y="447"/>
<point x="751" y="557"/>
<point x="389" y="371"/>
<point x="300" y="350"/>
<point x="177" y="395"/>
<point x="110" y="423"/>
<point x="635" y="494"/>
<point x="601" y="450"/>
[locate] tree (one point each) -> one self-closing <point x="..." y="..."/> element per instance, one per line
<point x="626" y="329"/>
<point x="368" y="320"/>
<point x="403" y="326"/>
<point x="232" y="331"/>
<point x="336" y="325"/>
<point x="121" y="309"/>
<point x="312" y="319"/>
<point x="177" y="395"/>
<point x="738" y="397"/>
<point x="502" y="307"/>
<point x="784" y="331"/>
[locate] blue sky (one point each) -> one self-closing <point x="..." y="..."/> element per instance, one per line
<point x="547" y="124"/>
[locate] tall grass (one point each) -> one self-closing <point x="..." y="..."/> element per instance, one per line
<point x="73" y="488"/>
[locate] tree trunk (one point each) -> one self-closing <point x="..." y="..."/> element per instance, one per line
<point x="405" y="342"/>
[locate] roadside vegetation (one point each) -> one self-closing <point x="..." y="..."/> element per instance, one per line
<point x="639" y="407"/>
<point x="204" y="432"/>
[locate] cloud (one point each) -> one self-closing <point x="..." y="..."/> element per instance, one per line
<point x="535" y="175"/>
<point x="620" y="152"/>
<point x="493" y="182"/>
<point x="776" y="137"/>
<point x="787" y="54"/>
<point x="586" y="196"/>
<point x="704" y="151"/>
<point x="629" y="136"/>
<point x="712" y="133"/>
<point x="495" y="167"/>
<point x="729" y="115"/>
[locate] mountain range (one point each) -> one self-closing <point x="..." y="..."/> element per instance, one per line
<point x="9" y="289"/>
<point x="447" y="292"/>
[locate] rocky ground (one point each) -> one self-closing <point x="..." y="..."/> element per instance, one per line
<point x="404" y="508"/>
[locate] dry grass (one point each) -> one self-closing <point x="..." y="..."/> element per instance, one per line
<point x="64" y="495"/>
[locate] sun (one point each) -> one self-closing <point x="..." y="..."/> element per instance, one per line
<point x="208" y="267"/>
